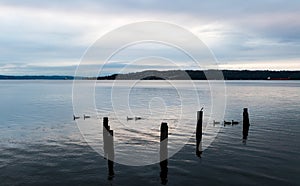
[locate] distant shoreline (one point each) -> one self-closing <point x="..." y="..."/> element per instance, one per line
<point x="174" y="75"/>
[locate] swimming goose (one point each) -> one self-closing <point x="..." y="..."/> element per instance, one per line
<point x="128" y="118"/>
<point x="234" y="122"/>
<point x="216" y="122"/>
<point x="86" y="116"/>
<point x="227" y="122"/>
<point x="75" y="117"/>
<point x="137" y="118"/>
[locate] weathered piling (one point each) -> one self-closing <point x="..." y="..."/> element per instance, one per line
<point x="246" y="123"/>
<point x="164" y="131"/>
<point x="164" y="153"/>
<point x="108" y="147"/>
<point x="199" y="133"/>
<point x="105" y="135"/>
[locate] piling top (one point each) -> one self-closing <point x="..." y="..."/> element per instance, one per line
<point x="163" y="131"/>
<point x="105" y="123"/>
<point x="245" y="109"/>
<point x="199" y="114"/>
<point x="164" y="125"/>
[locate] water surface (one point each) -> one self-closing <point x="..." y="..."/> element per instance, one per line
<point x="40" y="144"/>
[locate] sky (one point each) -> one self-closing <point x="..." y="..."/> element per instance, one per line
<point x="50" y="37"/>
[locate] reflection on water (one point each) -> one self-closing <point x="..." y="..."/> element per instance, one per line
<point x="246" y="124"/>
<point x="164" y="171"/>
<point x="164" y="131"/>
<point x="199" y="133"/>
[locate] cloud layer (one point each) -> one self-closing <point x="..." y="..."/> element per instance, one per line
<point x="50" y="37"/>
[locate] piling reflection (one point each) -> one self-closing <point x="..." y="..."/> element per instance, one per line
<point x="246" y="125"/>
<point x="164" y="153"/>
<point x="199" y="133"/>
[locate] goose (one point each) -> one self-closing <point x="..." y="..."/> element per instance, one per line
<point x="86" y="116"/>
<point x="227" y="122"/>
<point x="216" y="122"/>
<point x="75" y="117"/>
<point x="128" y="118"/>
<point x="234" y="122"/>
<point x="137" y="118"/>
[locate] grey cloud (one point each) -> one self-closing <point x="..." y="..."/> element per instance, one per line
<point x="267" y="29"/>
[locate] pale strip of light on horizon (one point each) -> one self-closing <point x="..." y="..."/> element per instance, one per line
<point x="263" y="65"/>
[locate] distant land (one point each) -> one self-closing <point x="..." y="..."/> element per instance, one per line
<point x="174" y="75"/>
<point x="37" y="77"/>
<point x="200" y="75"/>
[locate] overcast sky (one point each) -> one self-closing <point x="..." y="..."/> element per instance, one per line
<point x="50" y="37"/>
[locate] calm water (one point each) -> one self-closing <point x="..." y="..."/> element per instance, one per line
<point x="40" y="144"/>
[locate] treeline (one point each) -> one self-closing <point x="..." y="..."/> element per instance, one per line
<point x="249" y="75"/>
<point x="201" y="75"/>
<point x="178" y="75"/>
